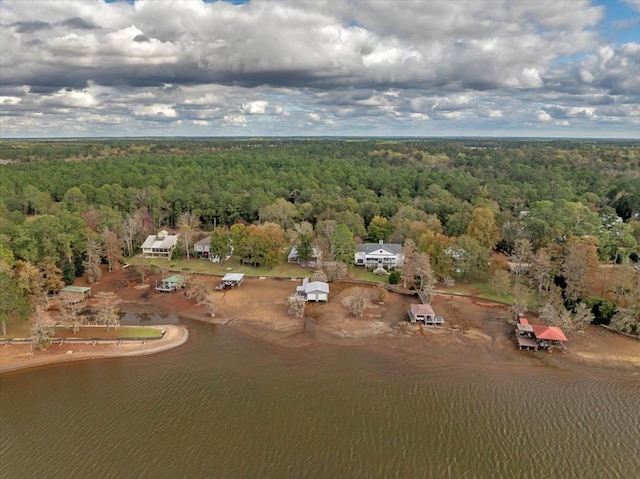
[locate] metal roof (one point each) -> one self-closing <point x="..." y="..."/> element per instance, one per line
<point x="422" y="309"/>
<point x="233" y="277"/>
<point x="75" y="289"/>
<point x="550" y="333"/>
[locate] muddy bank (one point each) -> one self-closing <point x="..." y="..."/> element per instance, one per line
<point x="14" y="357"/>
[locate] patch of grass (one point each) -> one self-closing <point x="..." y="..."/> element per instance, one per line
<point x="123" y="332"/>
<point x="17" y="329"/>
<point x="201" y="266"/>
<point x="362" y="274"/>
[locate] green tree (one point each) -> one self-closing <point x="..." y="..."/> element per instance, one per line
<point x="13" y="304"/>
<point x="379" y="229"/>
<point x="343" y="245"/>
<point x="483" y="227"/>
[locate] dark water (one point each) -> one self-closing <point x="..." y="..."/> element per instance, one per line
<point x="228" y="407"/>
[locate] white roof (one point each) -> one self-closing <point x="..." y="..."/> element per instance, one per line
<point x="160" y="242"/>
<point x="315" y="286"/>
<point x="233" y="277"/>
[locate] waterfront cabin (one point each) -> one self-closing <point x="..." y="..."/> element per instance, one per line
<point x="160" y="245"/>
<point x="314" y="290"/>
<point x="423" y="313"/>
<point x="230" y="280"/>
<point x="313" y="260"/>
<point x="171" y="283"/>
<point x="75" y="294"/>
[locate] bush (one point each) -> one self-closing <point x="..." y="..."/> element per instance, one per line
<point x="602" y="309"/>
<point x="394" y="277"/>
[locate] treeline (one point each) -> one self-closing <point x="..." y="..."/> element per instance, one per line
<point x="67" y="204"/>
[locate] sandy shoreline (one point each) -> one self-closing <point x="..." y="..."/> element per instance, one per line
<point x="476" y="329"/>
<point x="14" y="357"/>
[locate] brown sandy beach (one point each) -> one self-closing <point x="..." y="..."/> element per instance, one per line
<point x="475" y="327"/>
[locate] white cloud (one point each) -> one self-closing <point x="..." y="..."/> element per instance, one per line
<point x="235" y="120"/>
<point x="277" y="66"/>
<point x="258" y="107"/>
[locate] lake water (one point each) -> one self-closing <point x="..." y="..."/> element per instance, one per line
<point x="229" y="407"/>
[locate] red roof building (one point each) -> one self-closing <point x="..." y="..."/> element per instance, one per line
<point x="548" y="333"/>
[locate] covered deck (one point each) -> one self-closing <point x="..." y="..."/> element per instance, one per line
<point x="75" y="294"/>
<point x="424" y="313"/>
<point x="170" y="284"/>
<point x="230" y="280"/>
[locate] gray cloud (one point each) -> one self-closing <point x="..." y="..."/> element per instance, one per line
<point x="275" y="67"/>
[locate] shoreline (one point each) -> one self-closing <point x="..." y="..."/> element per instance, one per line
<point x="175" y="336"/>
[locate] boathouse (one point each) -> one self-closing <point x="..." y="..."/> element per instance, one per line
<point x="171" y="283"/>
<point x="423" y="313"/>
<point x="75" y="294"/>
<point x="230" y="280"/>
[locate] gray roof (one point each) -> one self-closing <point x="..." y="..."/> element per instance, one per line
<point x="294" y="252"/>
<point x="233" y="277"/>
<point x="160" y="242"/>
<point x="204" y="241"/>
<point x="316" y="286"/>
<point x="368" y="248"/>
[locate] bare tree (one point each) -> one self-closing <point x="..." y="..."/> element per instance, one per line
<point x="112" y="248"/>
<point x="197" y="288"/>
<point x="319" y="275"/>
<point x="131" y="226"/>
<point x="296" y="306"/>
<point x="357" y="302"/>
<point x="521" y="258"/>
<point x="540" y="271"/>
<point x="93" y="260"/>
<point x="210" y="303"/>
<point x="71" y="315"/>
<point x="41" y="331"/>
<point x="108" y="309"/>
<point x="521" y="299"/>
<point x="582" y="317"/>
<point x="579" y="269"/>
<point x="424" y="272"/>
<point x="335" y="270"/>
<point x="409" y="252"/>
<point x="188" y="223"/>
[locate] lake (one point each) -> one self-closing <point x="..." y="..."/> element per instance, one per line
<point x="226" y="406"/>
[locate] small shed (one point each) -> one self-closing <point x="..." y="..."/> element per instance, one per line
<point x="316" y="291"/>
<point x="171" y="283"/>
<point x="230" y="280"/>
<point x="75" y="294"/>
<point x="424" y="313"/>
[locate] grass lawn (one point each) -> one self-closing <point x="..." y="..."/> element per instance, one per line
<point x="22" y="329"/>
<point x="17" y="329"/>
<point x="123" y="332"/>
<point x="284" y="269"/>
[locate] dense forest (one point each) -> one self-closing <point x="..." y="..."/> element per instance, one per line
<point x="561" y="208"/>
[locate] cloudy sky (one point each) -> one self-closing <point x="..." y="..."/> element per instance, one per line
<point x="562" y="68"/>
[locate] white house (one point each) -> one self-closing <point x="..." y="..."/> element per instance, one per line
<point x="314" y="290"/>
<point x="379" y="255"/>
<point x="160" y="245"/>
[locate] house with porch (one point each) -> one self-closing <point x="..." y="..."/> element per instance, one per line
<point x="314" y="260"/>
<point x="160" y="245"/>
<point x="379" y="255"/>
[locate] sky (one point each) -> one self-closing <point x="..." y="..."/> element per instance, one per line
<point x="425" y="68"/>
